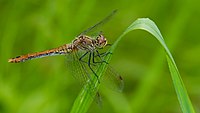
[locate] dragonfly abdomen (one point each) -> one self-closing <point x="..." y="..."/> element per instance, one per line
<point x="67" y="48"/>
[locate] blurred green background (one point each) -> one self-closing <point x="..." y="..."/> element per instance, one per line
<point x="45" y="86"/>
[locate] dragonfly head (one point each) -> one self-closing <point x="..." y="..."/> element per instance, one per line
<point x="101" y="41"/>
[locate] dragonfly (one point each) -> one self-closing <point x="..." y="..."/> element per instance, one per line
<point x="81" y="48"/>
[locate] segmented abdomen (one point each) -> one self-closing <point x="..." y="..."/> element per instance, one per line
<point x="67" y="48"/>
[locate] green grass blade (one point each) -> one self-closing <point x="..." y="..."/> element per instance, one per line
<point x="84" y="99"/>
<point x="149" y="26"/>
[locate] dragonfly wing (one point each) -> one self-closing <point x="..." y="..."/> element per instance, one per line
<point x="113" y="79"/>
<point x="94" y="30"/>
<point x="77" y="68"/>
<point x="81" y="72"/>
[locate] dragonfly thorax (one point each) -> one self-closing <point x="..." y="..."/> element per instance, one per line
<point x="87" y="43"/>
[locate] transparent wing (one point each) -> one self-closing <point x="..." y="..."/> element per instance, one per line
<point x="113" y="79"/>
<point x="78" y="69"/>
<point x="81" y="72"/>
<point x="94" y="30"/>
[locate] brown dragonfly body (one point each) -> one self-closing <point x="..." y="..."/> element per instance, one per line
<point x="83" y="42"/>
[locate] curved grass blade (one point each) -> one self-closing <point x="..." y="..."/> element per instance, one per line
<point x="84" y="99"/>
<point x="149" y="26"/>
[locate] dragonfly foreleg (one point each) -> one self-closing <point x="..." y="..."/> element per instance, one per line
<point x="89" y="65"/>
<point x="81" y="58"/>
<point x="103" y="54"/>
<point x="98" y="55"/>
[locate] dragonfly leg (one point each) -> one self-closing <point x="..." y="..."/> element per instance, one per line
<point x="103" y="54"/>
<point x="93" y="60"/>
<point x="100" y="56"/>
<point x="89" y="65"/>
<point x="81" y="58"/>
<point x="108" y="45"/>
